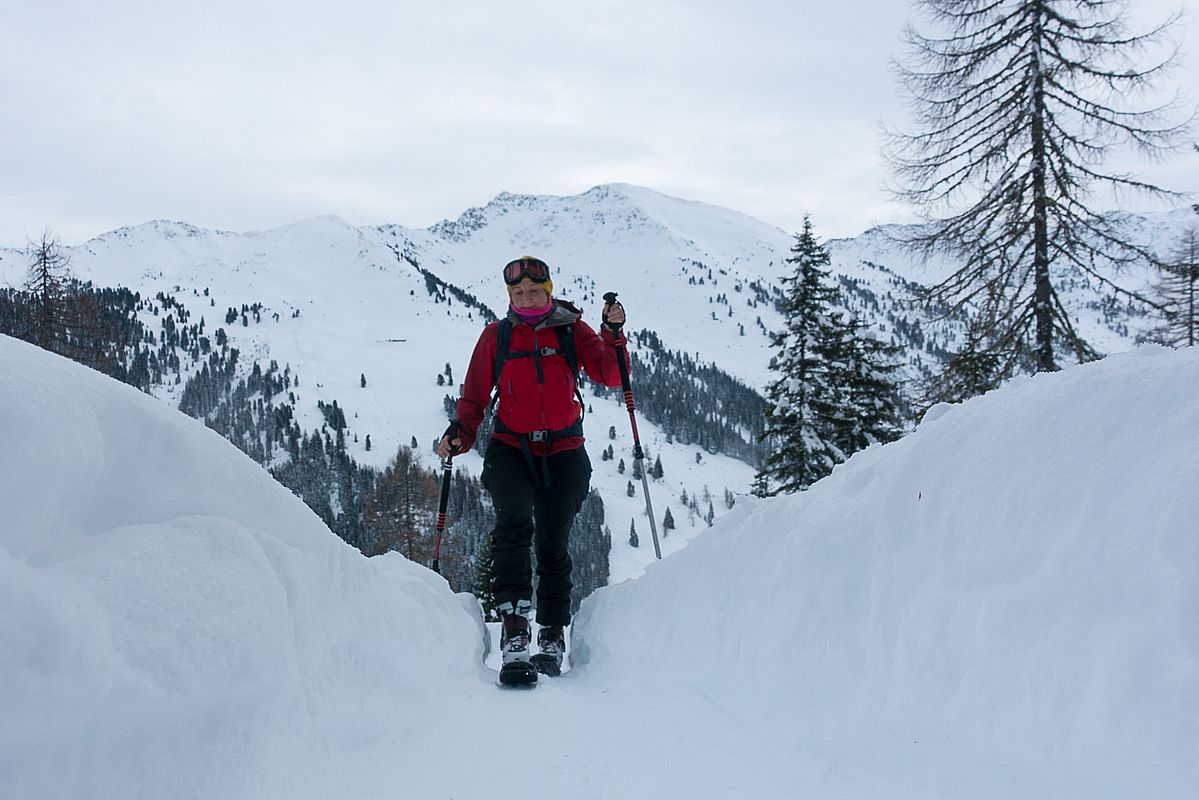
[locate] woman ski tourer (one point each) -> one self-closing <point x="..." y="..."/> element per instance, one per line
<point x="535" y="468"/>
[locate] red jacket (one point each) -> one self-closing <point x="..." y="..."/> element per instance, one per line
<point x="525" y="405"/>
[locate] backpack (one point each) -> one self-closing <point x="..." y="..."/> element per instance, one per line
<point x="565" y="348"/>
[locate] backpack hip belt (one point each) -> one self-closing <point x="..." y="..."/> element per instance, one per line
<point x="545" y="436"/>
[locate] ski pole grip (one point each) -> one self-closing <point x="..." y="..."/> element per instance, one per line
<point x="610" y="299"/>
<point x="453" y="432"/>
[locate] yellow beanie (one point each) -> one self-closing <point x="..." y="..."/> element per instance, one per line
<point x="546" y="284"/>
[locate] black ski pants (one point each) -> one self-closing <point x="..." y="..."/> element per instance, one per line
<point x="528" y="513"/>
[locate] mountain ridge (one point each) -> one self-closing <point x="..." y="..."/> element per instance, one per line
<point x="617" y="236"/>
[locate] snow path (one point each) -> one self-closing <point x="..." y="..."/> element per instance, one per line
<point x="1000" y="605"/>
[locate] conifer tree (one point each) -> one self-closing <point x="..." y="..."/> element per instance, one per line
<point x="590" y="543"/>
<point x="974" y="369"/>
<point x="1177" y="292"/>
<point x="802" y="446"/>
<point x="869" y="405"/>
<point x="483" y="577"/>
<point x="656" y="471"/>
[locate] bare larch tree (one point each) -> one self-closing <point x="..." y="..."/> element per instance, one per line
<point x="1018" y="105"/>
<point x="48" y="283"/>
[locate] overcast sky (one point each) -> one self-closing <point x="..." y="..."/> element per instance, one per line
<point x="249" y="114"/>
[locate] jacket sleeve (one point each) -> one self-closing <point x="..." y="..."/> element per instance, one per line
<point x="597" y="353"/>
<point x="476" y="390"/>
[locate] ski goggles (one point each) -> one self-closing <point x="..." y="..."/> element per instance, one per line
<point x="532" y="268"/>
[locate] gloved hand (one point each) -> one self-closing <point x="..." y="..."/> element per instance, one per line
<point x="450" y="442"/>
<point x="613" y="313"/>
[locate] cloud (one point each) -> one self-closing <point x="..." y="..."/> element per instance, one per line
<point x="254" y="114"/>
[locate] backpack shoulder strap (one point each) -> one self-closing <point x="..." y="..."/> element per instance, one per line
<point x="566" y="346"/>
<point x="503" y="343"/>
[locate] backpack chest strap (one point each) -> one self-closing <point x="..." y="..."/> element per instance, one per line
<point x="537" y="355"/>
<point x="565" y="348"/>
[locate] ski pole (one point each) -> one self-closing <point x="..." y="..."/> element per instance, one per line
<point x="447" y="470"/>
<point x="638" y="453"/>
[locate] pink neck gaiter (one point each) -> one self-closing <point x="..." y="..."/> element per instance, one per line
<point x="531" y="316"/>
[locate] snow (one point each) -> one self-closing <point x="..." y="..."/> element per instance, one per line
<point x="364" y="310"/>
<point x="999" y="605"/>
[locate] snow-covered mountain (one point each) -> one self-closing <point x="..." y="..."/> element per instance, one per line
<point x="999" y="605"/>
<point x="338" y="303"/>
<point x="1109" y="326"/>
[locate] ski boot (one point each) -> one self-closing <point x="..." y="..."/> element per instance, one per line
<point x="551" y="646"/>
<point x="515" y="637"/>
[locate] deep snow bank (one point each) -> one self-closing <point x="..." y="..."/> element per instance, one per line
<point x="1003" y="604"/>
<point x="175" y="623"/>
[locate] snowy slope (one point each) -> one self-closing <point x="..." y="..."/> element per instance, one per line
<point x="343" y="302"/>
<point x="1000" y="605"/>
<point x="177" y="624"/>
<point x="364" y="310"/>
